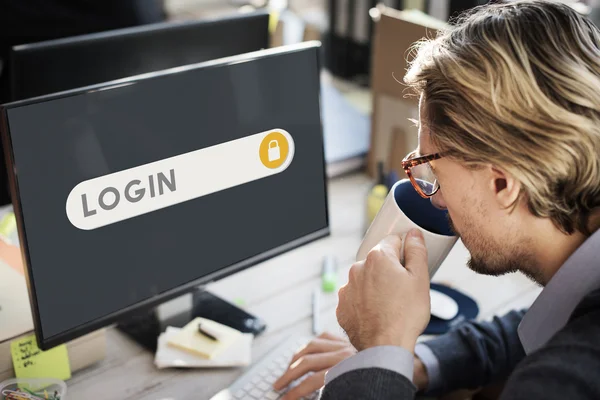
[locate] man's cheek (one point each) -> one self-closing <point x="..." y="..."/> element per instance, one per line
<point x="451" y="224"/>
<point x="339" y="311"/>
<point x="453" y="227"/>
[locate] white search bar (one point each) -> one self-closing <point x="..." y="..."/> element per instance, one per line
<point x="135" y="191"/>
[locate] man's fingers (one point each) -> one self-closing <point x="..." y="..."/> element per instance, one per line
<point x="308" y="363"/>
<point x="319" y="345"/>
<point x="307" y="386"/>
<point x="390" y="245"/>
<point x="285" y="379"/>
<point x="415" y="253"/>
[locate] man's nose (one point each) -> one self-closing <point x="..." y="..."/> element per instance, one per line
<point x="438" y="201"/>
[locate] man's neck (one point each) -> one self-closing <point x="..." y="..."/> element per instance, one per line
<point x="552" y="248"/>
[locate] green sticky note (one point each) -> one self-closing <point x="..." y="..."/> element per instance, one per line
<point x="31" y="362"/>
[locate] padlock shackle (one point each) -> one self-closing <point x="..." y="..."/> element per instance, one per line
<point x="276" y="144"/>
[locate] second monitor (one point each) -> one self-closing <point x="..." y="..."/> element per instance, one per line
<point x="63" y="64"/>
<point x="52" y="66"/>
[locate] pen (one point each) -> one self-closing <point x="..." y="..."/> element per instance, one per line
<point x="204" y="332"/>
<point x="315" y="312"/>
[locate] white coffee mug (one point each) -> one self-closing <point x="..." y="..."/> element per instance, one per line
<point x="403" y="210"/>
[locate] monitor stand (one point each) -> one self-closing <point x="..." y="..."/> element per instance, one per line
<point x="144" y="328"/>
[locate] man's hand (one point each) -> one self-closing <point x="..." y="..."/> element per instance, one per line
<point x="321" y="354"/>
<point x="385" y="303"/>
<point x="420" y="377"/>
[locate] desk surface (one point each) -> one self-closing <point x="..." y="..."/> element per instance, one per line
<point x="280" y="292"/>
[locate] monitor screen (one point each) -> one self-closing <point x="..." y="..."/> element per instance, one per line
<point x="131" y="193"/>
<point x="68" y="63"/>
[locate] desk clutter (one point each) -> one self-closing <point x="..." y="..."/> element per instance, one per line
<point x="379" y="191"/>
<point x="31" y="362"/>
<point x="203" y="343"/>
<point x="466" y="309"/>
<point x="19" y="355"/>
<point x="33" y="389"/>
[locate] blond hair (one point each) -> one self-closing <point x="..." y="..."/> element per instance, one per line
<point x="517" y="85"/>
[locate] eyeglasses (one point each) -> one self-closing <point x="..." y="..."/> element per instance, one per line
<point x="420" y="173"/>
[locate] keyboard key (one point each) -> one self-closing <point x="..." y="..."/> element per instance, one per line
<point x="264" y="386"/>
<point x="259" y="385"/>
<point x="278" y="372"/>
<point x="275" y="373"/>
<point x="272" y="396"/>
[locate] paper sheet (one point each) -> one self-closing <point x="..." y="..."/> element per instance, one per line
<point x="188" y="339"/>
<point x="238" y="354"/>
<point x="15" y="311"/>
<point x="11" y="255"/>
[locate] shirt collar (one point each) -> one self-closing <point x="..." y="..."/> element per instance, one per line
<point x="577" y="277"/>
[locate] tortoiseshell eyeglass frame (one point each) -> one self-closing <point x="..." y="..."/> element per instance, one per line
<point x="409" y="162"/>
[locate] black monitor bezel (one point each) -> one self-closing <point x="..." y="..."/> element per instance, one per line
<point x="144" y="305"/>
<point x="19" y="51"/>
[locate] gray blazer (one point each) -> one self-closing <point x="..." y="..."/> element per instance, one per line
<point x="477" y="354"/>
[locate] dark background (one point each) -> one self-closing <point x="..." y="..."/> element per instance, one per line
<point x="82" y="275"/>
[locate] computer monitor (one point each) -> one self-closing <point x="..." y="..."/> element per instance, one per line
<point x="56" y="65"/>
<point x="63" y="64"/>
<point x="130" y="193"/>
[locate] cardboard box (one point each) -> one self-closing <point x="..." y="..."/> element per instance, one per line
<point x="395" y="32"/>
<point x="277" y="34"/>
<point x="311" y="32"/>
<point x="398" y="149"/>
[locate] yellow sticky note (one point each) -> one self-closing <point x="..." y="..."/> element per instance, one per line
<point x="190" y="340"/>
<point x="31" y="362"/>
<point x="273" y="20"/>
<point x="8" y="224"/>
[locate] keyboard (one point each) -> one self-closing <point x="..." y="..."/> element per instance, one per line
<point x="257" y="382"/>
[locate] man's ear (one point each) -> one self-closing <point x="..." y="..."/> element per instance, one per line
<point x="505" y="187"/>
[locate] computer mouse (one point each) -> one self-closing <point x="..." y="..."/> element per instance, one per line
<point x="442" y="305"/>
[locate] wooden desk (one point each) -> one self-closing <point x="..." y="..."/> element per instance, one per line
<point x="279" y="291"/>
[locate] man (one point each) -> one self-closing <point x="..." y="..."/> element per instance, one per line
<point x="510" y="122"/>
